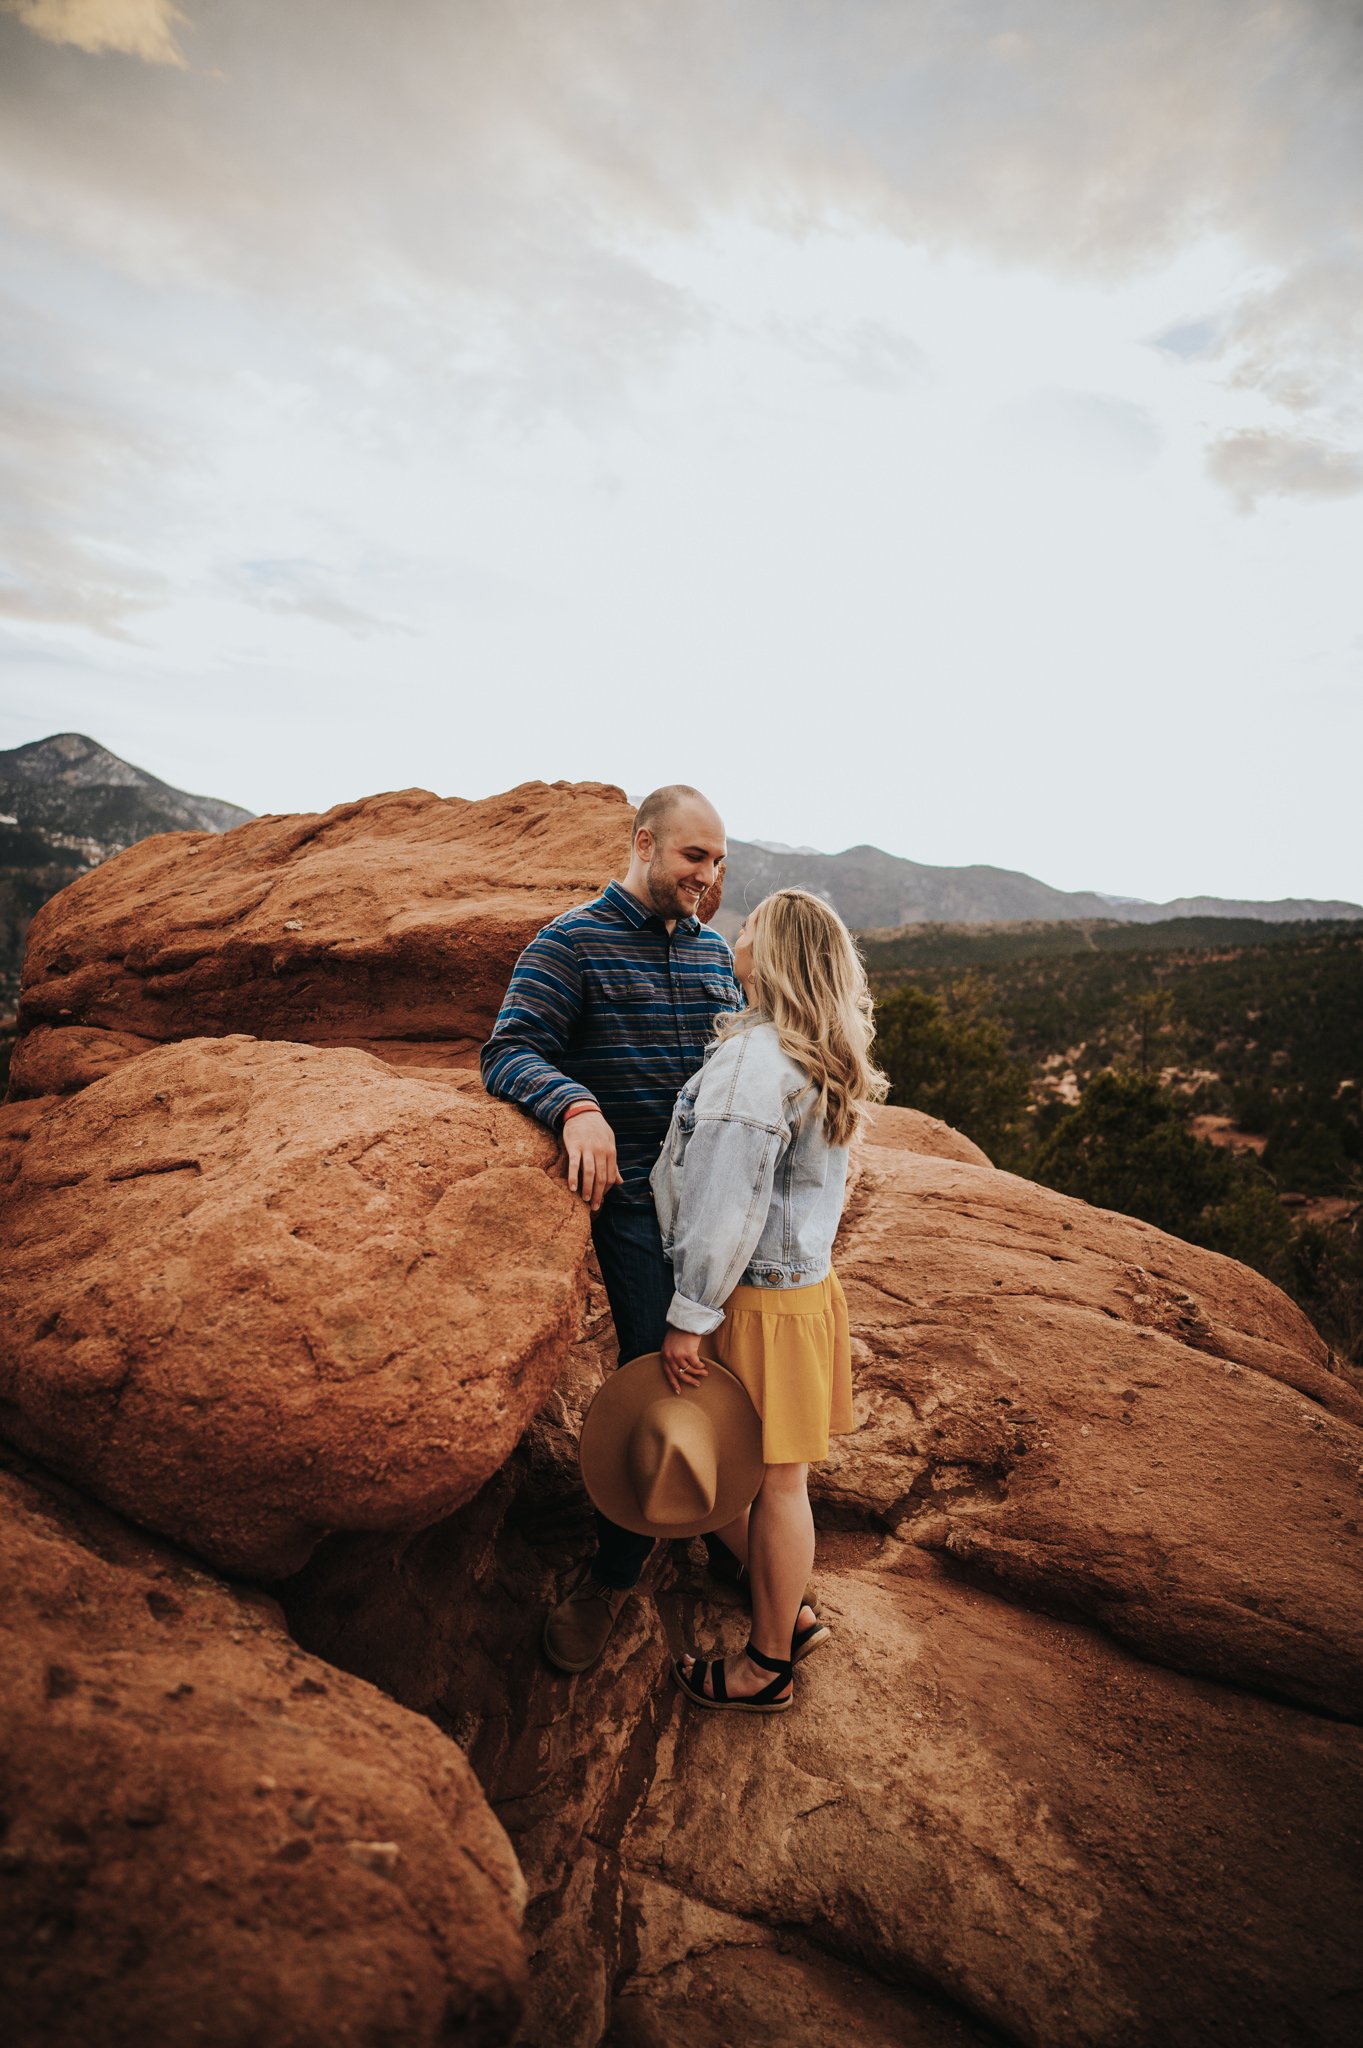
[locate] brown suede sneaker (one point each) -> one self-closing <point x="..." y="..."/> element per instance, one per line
<point x="578" y="1629"/>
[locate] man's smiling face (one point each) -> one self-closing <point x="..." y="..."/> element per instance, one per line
<point x="685" y="858"/>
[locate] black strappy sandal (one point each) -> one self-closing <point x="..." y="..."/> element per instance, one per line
<point x="692" y="1684"/>
<point x="806" y="1639"/>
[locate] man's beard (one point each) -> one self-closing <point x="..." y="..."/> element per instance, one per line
<point x="668" y="900"/>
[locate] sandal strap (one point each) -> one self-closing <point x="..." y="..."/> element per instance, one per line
<point x="765" y="1663"/>
<point x="779" y="1686"/>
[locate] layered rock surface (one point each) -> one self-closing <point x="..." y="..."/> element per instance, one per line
<point x="974" y="1819"/>
<point x="987" y="1818"/>
<point x="260" y="1291"/>
<point x="393" y="920"/>
<point x="1076" y="1767"/>
<point x="1106" y="1420"/>
<point x="210" y="1836"/>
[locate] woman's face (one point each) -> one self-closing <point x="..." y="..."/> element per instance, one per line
<point x="743" y="956"/>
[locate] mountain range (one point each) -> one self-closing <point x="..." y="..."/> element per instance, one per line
<point x="67" y="803"/>
<point x="876" y="891"/>
<point x="85" y="799"/>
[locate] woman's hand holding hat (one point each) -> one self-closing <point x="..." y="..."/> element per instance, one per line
<point x="681" y="1359"/>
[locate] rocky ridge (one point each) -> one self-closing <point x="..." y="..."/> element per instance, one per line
<point x="1081" y="1764"/>
<point x="391" y="924"/>
<point x="879" y="891"/>
<point x="62" y="783"/>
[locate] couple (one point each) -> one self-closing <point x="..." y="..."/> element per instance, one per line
<point x="705" y="1101"/>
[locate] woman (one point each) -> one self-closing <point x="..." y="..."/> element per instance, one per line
<point x="749" y="1189"/>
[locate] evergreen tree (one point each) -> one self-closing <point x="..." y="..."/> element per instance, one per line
<point x="1127" y="1147"/>
<point x="948" y="1056"/>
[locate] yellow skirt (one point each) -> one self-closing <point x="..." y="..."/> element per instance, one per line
<point x="791" y="1348"/>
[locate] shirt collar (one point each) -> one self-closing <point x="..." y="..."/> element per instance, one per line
<point x="634" y="913"/>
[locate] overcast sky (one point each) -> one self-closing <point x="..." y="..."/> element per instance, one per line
<point x="932" y="425"/>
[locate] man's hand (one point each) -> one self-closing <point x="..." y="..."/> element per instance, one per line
<point x="589" y="1143"/>
<point x="682" y="1361"/>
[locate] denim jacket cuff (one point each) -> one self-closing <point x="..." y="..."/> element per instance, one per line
<point x="685" y="1314"/>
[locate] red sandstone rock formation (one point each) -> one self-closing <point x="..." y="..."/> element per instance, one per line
<point x="1074" y="1768"/>
<point x="212" y="1837"/>
<point x="1106" y="1420"/>
<point x="1067" y="1842"/>
<point x="259" y="1291"/>
<point x="1065" y="1829"/>
<point x="392" y="920"/>
<point x="894" y="1129"/>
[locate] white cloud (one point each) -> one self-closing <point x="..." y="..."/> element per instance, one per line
<point x="455" y="169"/>
<point x="1254" y="464"/>
<point x="74" y="460"/>
<point x="1089" y="428"/>
<point x="136" y="28"/>
<point x="866" y="352"/>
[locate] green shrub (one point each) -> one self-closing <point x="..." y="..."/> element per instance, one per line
<point x="1127" y="1147"/>
<point x="948" y="1056"/>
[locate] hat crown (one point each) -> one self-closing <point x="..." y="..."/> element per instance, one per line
<point x="667" y="1464"/>
<point x="673" y="1461"/>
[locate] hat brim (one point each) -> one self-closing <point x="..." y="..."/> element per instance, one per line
<point x="606" y="1431"/>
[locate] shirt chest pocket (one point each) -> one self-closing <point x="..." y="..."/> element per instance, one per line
<point x="628" y="1006"/>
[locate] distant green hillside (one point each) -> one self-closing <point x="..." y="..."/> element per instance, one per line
<point x="1250" y="1034"/>
<point x="965" y="947"/>
<point x="1253" y="1018"/>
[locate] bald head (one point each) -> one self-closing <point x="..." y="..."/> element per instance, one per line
<point x="657" y="809"/>
<point x="677" y="849"/>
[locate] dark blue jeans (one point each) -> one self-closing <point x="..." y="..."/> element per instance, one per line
<point x="639" y="1288"/>
<point x="638" y="1281"/>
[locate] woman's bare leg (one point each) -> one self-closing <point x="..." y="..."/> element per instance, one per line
<point x="780" y="1556"/>
<point x="734" y="1537"/>
<point x="779" y="1546"/>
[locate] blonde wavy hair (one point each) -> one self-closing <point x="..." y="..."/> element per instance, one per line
<point x="808" y="980"/>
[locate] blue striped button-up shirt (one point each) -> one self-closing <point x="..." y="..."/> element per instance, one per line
<point x="606" y="1007"/>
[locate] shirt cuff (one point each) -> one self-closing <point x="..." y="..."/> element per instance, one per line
<point x="694" y="1316"/>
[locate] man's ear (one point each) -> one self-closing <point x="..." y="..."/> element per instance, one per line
<point x="643" y="844"/>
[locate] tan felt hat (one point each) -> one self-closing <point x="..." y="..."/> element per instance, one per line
<point x="665" y="1464"/>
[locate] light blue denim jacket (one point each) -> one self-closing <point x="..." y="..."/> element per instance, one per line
<point x="747" y="1187"/>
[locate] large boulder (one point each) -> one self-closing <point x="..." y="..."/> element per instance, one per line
<point x="388" y="922"/>
<point x="211" y="1837"/>
<point x="258" y="1291"/>
<point x="977" y="1816"/>
<point x="1077" y="1846"/>
<point x="1106" y="1420"/>
<point x="1037" y="1783"/>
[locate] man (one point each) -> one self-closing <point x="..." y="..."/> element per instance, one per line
<point x="608" y="1013"/>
